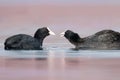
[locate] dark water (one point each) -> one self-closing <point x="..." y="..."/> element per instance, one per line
<point x="59" y="50"/>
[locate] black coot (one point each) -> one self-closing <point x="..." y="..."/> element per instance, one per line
<point x="105" y="39"/>
<point x="27" y="42"/>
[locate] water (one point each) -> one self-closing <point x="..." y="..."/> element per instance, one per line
<point x="59" y="50"/>
<point x="59" y="62"/>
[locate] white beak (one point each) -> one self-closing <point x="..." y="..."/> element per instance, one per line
<point x="50" y="32"/>
<point x="62" y="34"/>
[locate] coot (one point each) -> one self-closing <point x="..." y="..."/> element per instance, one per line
<point x="27" y="42"/>
<point x="102" y="40"/>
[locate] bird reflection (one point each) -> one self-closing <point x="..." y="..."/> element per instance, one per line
<point x="72" y="61"/>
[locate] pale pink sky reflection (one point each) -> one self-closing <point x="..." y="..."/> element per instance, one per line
<point x="84" y="19"/>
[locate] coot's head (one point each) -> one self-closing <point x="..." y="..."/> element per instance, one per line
<point x="41" y="33"/>
<point x="74" y="38"/>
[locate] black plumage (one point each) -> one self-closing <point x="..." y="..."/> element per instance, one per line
<point x="27" y="42"/>
<point x="105" y="39"/>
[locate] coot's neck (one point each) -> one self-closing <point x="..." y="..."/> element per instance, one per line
<point x="39" y="38"/>
<point x="41" y="42"/>
<point x="77" y="42"/>
<point x="81" y="40"/>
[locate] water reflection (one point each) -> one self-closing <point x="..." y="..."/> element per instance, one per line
<point x="59" y="63"/>
<point x="72" y="61"/>
<point x="26" y="59"/>
<point x="59" y="50"/>
<point x="59" y="68"/>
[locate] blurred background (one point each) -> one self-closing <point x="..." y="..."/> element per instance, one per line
<point x="85" y="17"/>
